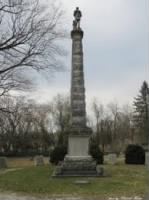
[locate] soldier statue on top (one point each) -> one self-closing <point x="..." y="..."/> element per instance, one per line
<point x="76" y="23"/>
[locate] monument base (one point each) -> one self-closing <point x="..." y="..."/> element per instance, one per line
<point x="78" y="146"/>
<point x="78" y="167"/>
<point x="78" y="162"/>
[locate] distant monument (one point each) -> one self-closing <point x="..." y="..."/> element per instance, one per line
<point x="3" y="163"/>
<point x="78" y="162"/>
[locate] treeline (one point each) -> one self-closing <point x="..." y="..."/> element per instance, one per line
<point x="31" y="43"/>
<point x="115" y="127"/>
<point x="28" y="128"/>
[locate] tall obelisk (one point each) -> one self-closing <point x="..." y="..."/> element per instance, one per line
<point x="78" y="141"/>
<point x="78" y="162"/>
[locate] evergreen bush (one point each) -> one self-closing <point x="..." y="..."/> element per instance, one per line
<point x="58" y="154"/>
<point x="134" y="154"/>
<point x="95" y="151"/>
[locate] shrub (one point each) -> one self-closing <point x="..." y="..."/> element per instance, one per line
<point x="134" y="154"/>
<point x="95" y="151"/>
<point x="58" y="154"/>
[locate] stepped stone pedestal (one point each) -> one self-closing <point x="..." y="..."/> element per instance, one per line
<point x="78" y="162"/>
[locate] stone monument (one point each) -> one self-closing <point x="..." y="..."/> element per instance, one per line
<point x="39" y="160"/>
<point x="78" y="162"/>
<point x="3" y="162"/>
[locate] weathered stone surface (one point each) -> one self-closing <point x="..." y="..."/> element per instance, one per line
<point x="78" y="146"/>
<point x="78" y="122"/>
<point x="78" y="168"/>
<point x="77" y="82"/>
<point x="3" y="162"/>
<point x="80" y="131"/>
<point x="110" y="158"/>
<point x="147" y="158"/>
<point x="78" y="89"/>
<point x="39" y="160"/>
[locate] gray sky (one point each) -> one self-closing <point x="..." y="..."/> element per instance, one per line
<point x="115" y="50"/>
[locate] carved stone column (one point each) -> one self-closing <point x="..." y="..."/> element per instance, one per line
<point x="77" y="82"/>
<point x="78" y="141"/>
<point x="78" y="162"/>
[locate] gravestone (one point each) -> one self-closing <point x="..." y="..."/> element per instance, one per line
<point x="147" y="158"/>
<point x="78" y="162"/>
<point x="111" y="158"/>
<point x="3" y="162"/>
<point x="39" y="160"/>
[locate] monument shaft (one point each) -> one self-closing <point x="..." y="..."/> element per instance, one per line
<point x="78" y="112"/>
<point x="77" y="162"/>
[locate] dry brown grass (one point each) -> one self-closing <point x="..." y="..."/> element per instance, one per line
<point x="20" y="162"/>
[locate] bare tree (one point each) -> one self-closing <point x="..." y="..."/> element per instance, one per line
<point x="60" y="108"/>
<point x="129" y="133"/>
<point x="26" y="127"/>
<point x="9" y="122"/>
<point x="98" y="111"/>
<point x="121" y="126"/>
<point x="29" y="41"/>
<point x="103" y="125"/>
<point x="114" y="109"/>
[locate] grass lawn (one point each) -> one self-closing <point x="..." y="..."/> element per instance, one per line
<point x="123" y="180"/>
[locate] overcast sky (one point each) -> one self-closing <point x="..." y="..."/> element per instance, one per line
<point x="115" y="50"/>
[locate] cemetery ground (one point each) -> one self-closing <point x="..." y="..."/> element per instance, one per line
<point x="22" y="176"/>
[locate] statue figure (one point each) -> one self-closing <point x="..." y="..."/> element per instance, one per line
<point x="77" y="14"/>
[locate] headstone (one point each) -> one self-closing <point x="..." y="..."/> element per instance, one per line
<point x="147" y="158"/>
<point x="39" y="160"/>
<point x="78" y="162"/>
<point x="3" y="162"/>
<point x="111" y="158"/>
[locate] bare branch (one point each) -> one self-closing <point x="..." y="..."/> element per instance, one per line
<point x="29" y="39"/>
